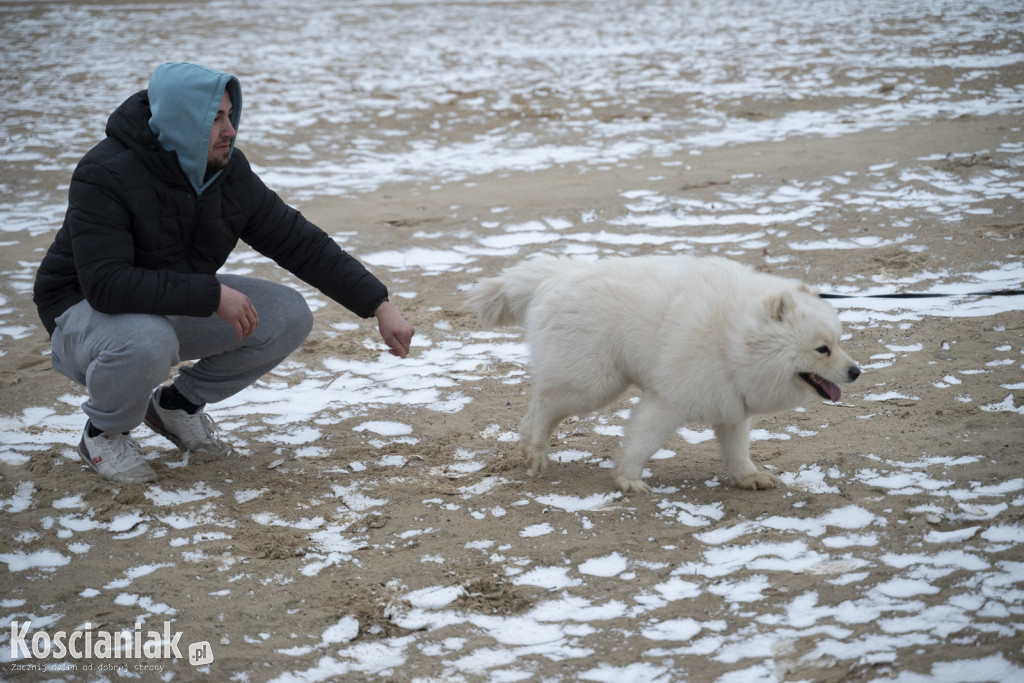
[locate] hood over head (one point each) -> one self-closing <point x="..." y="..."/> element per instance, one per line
<point x="184" y="99"/>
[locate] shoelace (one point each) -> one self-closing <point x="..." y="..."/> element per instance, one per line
<point x="128" y="453"/>
<point x="211" y="429"/>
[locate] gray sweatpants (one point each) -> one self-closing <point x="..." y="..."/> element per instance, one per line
<point x="121" y="358"/>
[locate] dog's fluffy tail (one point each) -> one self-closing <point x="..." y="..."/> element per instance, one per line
<point x="502" y="301"/>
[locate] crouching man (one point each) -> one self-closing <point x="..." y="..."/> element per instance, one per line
<point x="130" y="286"/>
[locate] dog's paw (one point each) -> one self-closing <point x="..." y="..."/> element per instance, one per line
<point x="632" y="485"/>
<point x="536" y="467"/>
<point x="758" y="480"/>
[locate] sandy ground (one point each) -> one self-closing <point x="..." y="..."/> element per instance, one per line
<point x="242" y="587"/>
<point x="893" y="551"/>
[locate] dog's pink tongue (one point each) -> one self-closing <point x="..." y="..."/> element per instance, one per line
<point x="831" y="389"/>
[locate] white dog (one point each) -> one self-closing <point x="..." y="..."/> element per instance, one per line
<point x="706" y="340"/>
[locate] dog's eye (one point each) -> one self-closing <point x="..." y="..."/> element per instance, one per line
<point x="823" y="350"/>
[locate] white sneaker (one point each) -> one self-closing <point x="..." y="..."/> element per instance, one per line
<point x="115" y="457"/>
<point x="196" y="433"/>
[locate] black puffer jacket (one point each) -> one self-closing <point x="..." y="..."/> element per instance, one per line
<point x="137" y="239"/>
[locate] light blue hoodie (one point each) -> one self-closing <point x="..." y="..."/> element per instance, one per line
<point x="184" y="99"/>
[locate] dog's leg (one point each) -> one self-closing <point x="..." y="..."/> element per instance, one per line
<point x="559" y="392"/>
<point x="535" y="433"/>
<point x="734" y="439"/>
<point x="649" y="427"/>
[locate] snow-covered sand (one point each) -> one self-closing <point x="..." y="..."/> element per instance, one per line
<point x="376" y="522"/>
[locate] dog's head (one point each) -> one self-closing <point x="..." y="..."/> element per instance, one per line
<point x="803" y="333"/>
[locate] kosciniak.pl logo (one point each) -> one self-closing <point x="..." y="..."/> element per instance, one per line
<point x="88" y="644"/>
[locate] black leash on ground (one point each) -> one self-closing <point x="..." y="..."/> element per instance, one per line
<point x="924" y="295"/>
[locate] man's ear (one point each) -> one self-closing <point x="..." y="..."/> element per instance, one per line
<point x="779" y="305"/>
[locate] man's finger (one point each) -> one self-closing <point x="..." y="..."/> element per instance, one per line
<point x="406" y="342"/>
<point x="397" y="347"/>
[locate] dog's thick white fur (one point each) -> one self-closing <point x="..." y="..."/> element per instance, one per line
<point x="706" y="340"/>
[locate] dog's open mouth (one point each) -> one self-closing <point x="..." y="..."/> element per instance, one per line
<point x="824" y="388"/>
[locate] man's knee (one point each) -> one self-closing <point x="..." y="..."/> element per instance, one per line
<point x="148" y="340"/>
<point x="294" y="318"/>
<point x="303" y="316"/>
<point x="143" y="346"/>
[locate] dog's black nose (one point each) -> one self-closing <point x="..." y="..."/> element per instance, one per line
<point x="853" y="373"/>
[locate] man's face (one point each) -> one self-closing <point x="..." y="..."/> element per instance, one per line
<point x="221" y="136"/>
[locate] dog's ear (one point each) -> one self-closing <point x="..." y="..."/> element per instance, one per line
<point x="780" y="305"/>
